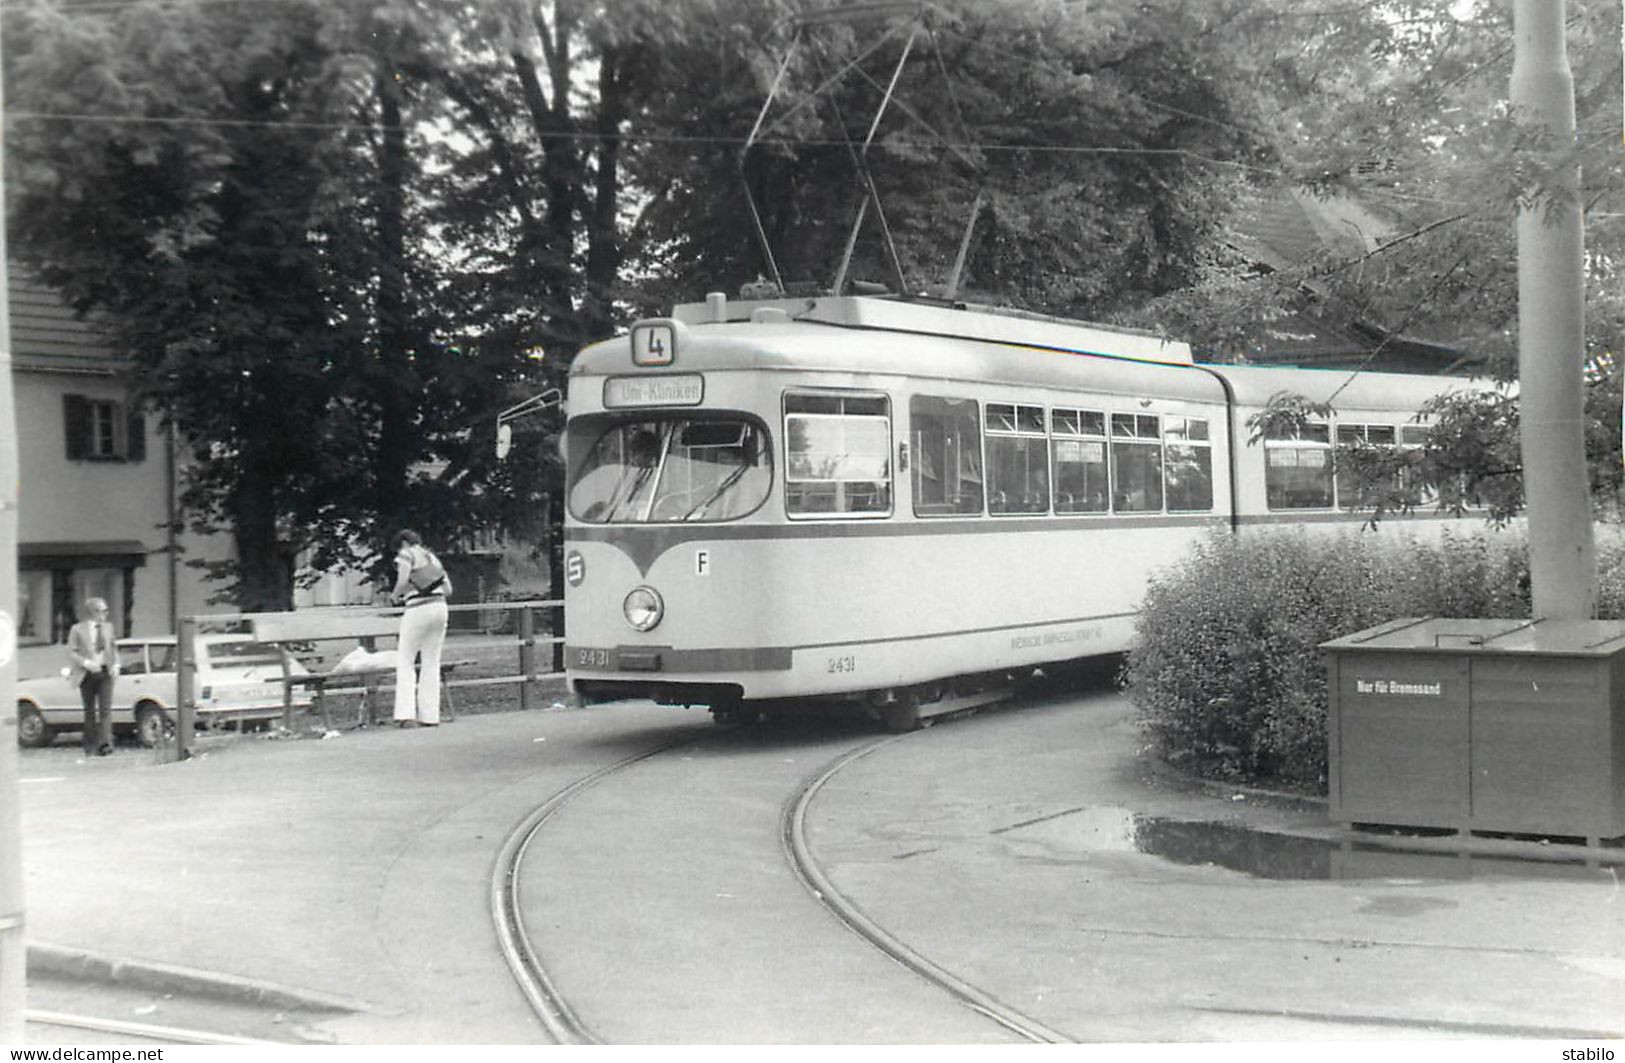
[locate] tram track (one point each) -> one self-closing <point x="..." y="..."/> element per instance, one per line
<point x="562" y="1018"/>
<point x="129" y="1032"/>
<point x="530" y="974"/>
<point x="799" y="852"/>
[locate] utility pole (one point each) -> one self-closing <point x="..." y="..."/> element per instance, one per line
<point x="1551" y="331"/>
<point x="13" y="927"/>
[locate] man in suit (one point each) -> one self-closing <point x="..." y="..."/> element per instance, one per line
<point x="93" y="663"/>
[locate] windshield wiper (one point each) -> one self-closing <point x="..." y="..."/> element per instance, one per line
<point x="722" y="489"/>
<point x="632" y="484"/>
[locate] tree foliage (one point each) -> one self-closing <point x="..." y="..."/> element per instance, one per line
<point x="1470" y="457"/>
<point x="339" y="237"/>
<point x="1069" y="135"/>
<point x="245" y="202"/>
<point x="1403" y="108"/>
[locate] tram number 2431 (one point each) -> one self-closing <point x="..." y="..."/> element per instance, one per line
<point x="839" y="665"/>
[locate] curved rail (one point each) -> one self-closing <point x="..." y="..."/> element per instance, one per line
<point x="555" y="1013"/>
<point x="163" y="1034"/>
<point x="793" y="834"/>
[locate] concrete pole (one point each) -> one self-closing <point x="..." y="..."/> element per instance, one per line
<point x="13" y="926"/>
<point x="1551" y="333"/>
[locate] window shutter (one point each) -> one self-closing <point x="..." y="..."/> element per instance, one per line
<point x="135" y="448"/>
<point x="76" y="416"/>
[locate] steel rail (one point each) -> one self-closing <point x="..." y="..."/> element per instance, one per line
<point x="167" y="1034"/>
<point x="556" y="1014"/>
<point x="799" y="853"/>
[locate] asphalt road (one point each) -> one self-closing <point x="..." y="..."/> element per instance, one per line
<point x="1026" y="850"/>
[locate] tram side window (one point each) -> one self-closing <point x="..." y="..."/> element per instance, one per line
<point x="1017" y="459"/>
<point x="1298" y="468"/>
<point x="838" y="455"/>
<point x="1136" y="463"/>
<point x="1078" y="442"/>
<point x="1356" y="492"/>
<point x="1412" y="437"/>
<point x="1189" y="464"/>
<point x="1449" y="492"/>
<point x="946" y="441"/>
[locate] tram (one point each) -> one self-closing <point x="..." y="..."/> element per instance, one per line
<point x="786" y="501"/>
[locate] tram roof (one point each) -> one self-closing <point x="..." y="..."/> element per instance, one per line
<point x="885" y="336"/>
<point x="1343" y="389"/>
<point x="952" y="320"/>
<point x="776" y="342"/>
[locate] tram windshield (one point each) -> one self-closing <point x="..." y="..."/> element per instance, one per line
<point x="674" y="470"/>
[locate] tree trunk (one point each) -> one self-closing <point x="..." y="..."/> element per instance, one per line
<point x="603" y="238"/>
<point x="560" y="171"/>
<point x="264" y="577"/>
<point x="394" y="390"/>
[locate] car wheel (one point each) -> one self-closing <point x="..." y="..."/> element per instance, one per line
<point x="152" y="724"/>
<point x="32" y="730"/>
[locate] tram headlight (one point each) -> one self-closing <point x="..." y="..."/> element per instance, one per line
<point x="643" y="608"/>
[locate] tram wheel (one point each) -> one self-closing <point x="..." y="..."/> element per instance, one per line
<point x="733" y="716"/>
<point x="902" y="715"/>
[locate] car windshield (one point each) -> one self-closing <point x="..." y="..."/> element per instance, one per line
<point x="673" y="470"/>
<point x="243" y="652"/>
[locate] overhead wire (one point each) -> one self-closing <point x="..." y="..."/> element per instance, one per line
<point x="107" y="6"/>
<point x="723" y="140"/>
<point x="653" y="138"/>
<point x="635" y="137"/>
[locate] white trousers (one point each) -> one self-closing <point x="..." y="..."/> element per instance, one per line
<point x="423" y="630"/>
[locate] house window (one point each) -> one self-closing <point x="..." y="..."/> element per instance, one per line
<point x="103" y="430"/>
<point x="34" y="608"/>
<point x="55" y="578"/>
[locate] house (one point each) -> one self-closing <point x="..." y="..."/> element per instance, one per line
<point x="97" y="490"/>
<point x="1279" y="229"/>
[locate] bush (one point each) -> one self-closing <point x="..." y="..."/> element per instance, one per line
<point x="1227" y="675"/>
<point x="1610" y="572"/>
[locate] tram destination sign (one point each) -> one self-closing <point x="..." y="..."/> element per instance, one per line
<point x="681" y="390"/>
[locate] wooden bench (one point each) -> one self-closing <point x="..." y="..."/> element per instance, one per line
<point x="365" y="628"/>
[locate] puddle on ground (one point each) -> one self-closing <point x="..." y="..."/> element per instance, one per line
<point x="1107" y="828"/>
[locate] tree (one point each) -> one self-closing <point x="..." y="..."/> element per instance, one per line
<point x="1403" y="108"/>
<point x="234" y="199"/>
<point x="1452" y="167"/>
<point x="158" y="210"/>
<point x="1076" y="129"/>
<point x="385" y="220"/>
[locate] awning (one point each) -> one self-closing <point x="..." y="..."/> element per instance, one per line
<point x="104" y="553"/>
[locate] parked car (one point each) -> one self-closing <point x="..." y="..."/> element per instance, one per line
<point x="238" y="679"/>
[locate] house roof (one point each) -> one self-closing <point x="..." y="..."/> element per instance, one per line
<point x="1284" y="228"/>
<point x="48" y="336"/>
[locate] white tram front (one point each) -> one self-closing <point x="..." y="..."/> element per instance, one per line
<point x="860" y="497"/>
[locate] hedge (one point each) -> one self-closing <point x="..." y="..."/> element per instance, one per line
<point x="1227" y="677"/>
